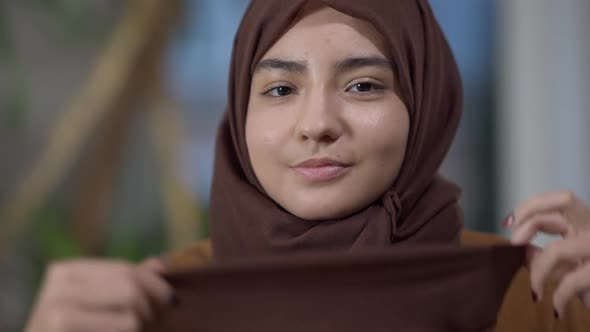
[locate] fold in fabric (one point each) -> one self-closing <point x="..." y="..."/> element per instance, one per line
<point x="372" y="290"/>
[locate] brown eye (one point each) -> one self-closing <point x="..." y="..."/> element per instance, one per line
<point x="365" y="87"/>
<point x="279" y="91"/>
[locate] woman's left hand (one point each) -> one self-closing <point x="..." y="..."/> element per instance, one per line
<point x="566" y="260"/>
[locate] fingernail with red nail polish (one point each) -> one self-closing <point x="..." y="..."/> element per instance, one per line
<point x="535" y="297"/>
<point x="556" y="314"/>
<point x="509" y="221"/>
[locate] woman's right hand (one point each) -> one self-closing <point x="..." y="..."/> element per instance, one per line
<point x="100" y="295"/>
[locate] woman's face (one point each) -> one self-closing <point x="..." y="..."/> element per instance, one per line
<point x="325" y="129"/>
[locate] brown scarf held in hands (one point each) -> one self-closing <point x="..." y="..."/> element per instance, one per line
<point x="416" y="288"/>
<point x="394" y="266"/>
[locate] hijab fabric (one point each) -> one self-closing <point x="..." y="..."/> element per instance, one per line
<point x="394" y="266"/>
<point x="421" y="207"/>
<point x="427" y="288"/>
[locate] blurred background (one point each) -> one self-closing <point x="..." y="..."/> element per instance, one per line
<point x="108" y="113"/>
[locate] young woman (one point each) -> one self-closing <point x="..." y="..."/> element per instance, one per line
<point x="339" y="116"/>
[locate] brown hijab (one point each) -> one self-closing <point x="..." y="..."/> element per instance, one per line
<point x="273" y="271"/>
<point x="421" y="207"/>
<point x="413" y="288"/>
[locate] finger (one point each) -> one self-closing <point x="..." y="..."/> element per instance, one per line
<point x="531" y="253"/>
<point x="79" y="270"/>
<point x="79" y="320"/>
<point x="99" y="285"/>
<point x="158" y="289"/>
<point x="550" y="223"/>
<point x="559" y="272"/>
<point x="153" y="264"/>
<point x="557" y="201"/>
<point x="571" y="285"/>
<point x="557" y="254"/>
<point x="164" y="294"/>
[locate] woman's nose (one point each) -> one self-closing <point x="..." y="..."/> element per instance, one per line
<point x="319" y="119"/>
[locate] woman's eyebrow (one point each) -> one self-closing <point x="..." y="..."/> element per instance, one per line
<point x="281" y="64"/>
<point x="348" y="64"/>
<point x="355" y="63"/>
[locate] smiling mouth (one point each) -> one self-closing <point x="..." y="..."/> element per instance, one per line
<point x="319" y="170"/>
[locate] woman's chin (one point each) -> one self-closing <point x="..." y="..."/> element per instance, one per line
<point x="328" y="202"/>
<point x="320" y="211"/>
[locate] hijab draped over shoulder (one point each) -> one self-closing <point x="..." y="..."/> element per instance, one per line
<point x="420" y="207"/>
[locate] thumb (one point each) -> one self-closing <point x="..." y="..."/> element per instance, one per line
<point x="154" y="265"/>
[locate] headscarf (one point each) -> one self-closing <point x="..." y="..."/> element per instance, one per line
<point x="273" y="271"/>
<point x="420" y="207"/>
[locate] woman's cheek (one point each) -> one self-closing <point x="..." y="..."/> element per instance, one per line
<point x="265" y="136"/>
<point x="384" y="134"/>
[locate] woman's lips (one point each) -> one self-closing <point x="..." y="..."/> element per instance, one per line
<point x="323" y="169"/>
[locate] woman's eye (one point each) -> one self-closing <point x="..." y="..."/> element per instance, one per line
<point x="279" y="91"/>
<point x="365" y="87"/>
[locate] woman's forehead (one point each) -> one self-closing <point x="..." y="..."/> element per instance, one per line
<point x="330" y="30"/>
